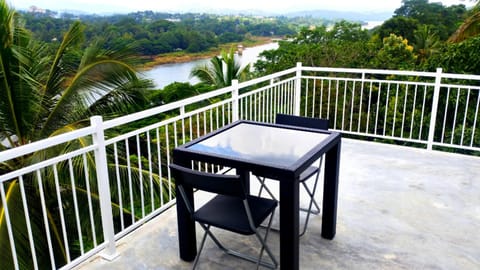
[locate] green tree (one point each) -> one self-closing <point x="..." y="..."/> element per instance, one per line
<point x="426" y="43"/>
<point x="345" y="45"/>
<point x="461" y="57"/>
<point x="398" y="25"/>
<point x="44" y="94"/>
<point x="396" y="53"/>
<point x="220" y="71"/>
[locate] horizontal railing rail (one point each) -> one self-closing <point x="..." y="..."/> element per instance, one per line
<point x="434" y="109"/>
<point x="67" y="197"/>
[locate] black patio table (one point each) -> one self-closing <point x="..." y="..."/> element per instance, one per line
<point x="274" y="151"/>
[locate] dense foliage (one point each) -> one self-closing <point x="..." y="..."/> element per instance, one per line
<point x="157" y="33"/>
<point x="415" y="38"/>
<point x="45" y="91"/>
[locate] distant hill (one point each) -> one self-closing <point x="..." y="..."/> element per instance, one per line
<point x="317" y="14"/>
<point x="346" y="15"/>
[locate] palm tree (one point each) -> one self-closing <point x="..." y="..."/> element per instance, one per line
<point x="221" y="70"/>
<point x="426" y="42"/>
<point x="470" y="27"/>
<point x="43" y="95"/>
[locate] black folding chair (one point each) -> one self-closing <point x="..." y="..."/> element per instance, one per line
<point x="232" y="209"/>
<point x="308" y="122"/>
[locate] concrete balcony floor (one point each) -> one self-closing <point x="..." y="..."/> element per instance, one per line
<point x="398" y="208"/>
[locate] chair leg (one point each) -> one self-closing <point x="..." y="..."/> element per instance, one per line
<point x="239" y="254"/>
<point x="264" y="186"/>
<point x="265" y="247"/>
<point x="311" y="194"/>
<point x="207" y="228"/>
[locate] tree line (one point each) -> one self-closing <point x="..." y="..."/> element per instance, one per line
<point x="419" y="36"/>
<point x="156" y="33"/>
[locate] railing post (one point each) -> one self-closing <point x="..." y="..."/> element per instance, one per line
<point x="235" y="111"/>
<point x="433" y="115"/>
<point x="103" y="188"/>
<point x="298" y="90"/>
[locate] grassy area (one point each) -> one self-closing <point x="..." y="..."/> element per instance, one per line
<point x="182" y="56"/>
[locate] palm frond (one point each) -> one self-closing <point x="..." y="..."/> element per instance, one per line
<point x="89" y="84"/>
<point x="59" y="68"/>
<point x="469" y="28"/>
<point x="203" y="74"/>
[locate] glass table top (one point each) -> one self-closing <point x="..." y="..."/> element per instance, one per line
<point x="258" y="143"/>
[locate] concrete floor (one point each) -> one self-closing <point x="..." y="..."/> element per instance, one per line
<point x="399" y="208"/>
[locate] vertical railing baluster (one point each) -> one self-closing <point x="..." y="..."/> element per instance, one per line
<point x="454" y="124"/>
<point x="414" y="105"/>
<point x="29" y="225"/>
<point x="352" y="105"/>
<point x="329" y="97"/>
<point x="119" y="186"/>
<point x="167" y="153"/>
<point x="9" y="227"/>
<point x="337" y="89"/>
<point x="386" y="109"/>
<point x="75" y="204"/>
<point x="45" y="217"/>
<point x="103" y="188"/>
<point x="306" y="96"/>
<point x="140" y="174"/>
<point x="182" y="113"/>
<point x="423" y="112"/>
<point x="445" y="115"/>
<point x="345" y="82"/>
<point x="321" y="98"/>
<point x="159" y="156"/>
<point x="150" y="172"/>
<point x="465" y="115"/>
<point x="314" y="94"/>
<point x="395" y="110"/>
<point x="235" y="111"/>
<point x="60" y="210"/>
<point x="298" y="89"/>
<point x="474" y="127"/>
<point x="433" y="114"/>
<point x="404" y="110"/>
<point x="379" y="100"/>
<point x="361" y="102"/>
<point x="369" y="106"/>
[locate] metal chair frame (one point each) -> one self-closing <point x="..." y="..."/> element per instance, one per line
<point x="308" y="122"/>
<point x="206" y="227"/>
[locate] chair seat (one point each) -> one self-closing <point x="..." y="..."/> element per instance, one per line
<point x="229" y="213"/>
<point x="309" y="172"/>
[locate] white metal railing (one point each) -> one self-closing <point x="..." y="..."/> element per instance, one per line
<point x="397" y="105"/>
<point x="77" y="193"/>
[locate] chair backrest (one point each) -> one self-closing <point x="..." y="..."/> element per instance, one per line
<point x="301" y="121"/>
<point x="230" y="185"/>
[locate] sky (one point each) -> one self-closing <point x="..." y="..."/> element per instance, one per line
<point x="276" y="6"/>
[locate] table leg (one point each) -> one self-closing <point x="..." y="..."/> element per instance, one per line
<point x="187" y="240"/>
<point x="330" y="192"/>
<point x="289" y="222"/>
<point x="187" y="237"/>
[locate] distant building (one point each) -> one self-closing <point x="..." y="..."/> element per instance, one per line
<point x="35" y="9"/>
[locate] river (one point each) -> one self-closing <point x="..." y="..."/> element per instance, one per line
<point x="166" y="74"/>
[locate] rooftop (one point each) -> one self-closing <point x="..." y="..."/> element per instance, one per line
<point x="399" y="208"/>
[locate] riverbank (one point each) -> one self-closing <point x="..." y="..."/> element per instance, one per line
<point x="182" y="57"/>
